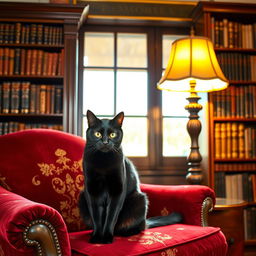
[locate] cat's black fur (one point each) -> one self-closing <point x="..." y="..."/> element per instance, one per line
<point x="112" y="203"/>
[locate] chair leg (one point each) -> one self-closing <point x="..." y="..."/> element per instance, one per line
<point x="42" y="235"/>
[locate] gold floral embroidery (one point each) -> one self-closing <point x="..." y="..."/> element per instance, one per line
<point x="66" y="185"/>
<point x="3" y="183"/>
<point x="170" y="252"/>
<point x="164" y="212"/>
<point x="149" y="238"/>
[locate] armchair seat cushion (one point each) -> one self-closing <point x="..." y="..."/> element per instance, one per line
<point x="174" y="240"/>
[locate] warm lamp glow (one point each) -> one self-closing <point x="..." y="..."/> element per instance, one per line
<point x="193" y="58"/>
<point x="193" y="67"/>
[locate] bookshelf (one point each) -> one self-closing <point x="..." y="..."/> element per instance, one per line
<point x="37" y="66"/>
<point x="231" y="162"/>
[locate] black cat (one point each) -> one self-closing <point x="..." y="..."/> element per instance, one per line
<point x="112" y="203"/>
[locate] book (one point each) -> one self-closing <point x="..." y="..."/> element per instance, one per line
<point x="33" y="99"/>
<point x="15" y="98"/>
<point x="217" y="140"/>
<point x="25" y="91"/>
<point x="1" y="61"/>
<point x="234" y="138"/>
<point x="223" y="140"/>
<point x="1" y="97"/>
<point x="6" y="61"/>
<point x="6" y="87"/>
<point x="58" y="108"/>
<point x="241" y="139"/>
<point x="228" y="140"/>
<point x="17" y="61"/>
<point x="42" y="97"/>
<point x="11" y="62"/>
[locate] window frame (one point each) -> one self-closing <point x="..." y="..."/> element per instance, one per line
<point x="154" y="160"/>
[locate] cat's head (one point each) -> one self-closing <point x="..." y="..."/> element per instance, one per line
<point x="104" y="135"/>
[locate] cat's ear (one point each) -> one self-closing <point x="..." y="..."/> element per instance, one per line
<point x="91" y="118"/>
<point x="118" y="119"/>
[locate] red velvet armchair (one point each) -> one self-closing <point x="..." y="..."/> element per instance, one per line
<point x="41" y="177"/>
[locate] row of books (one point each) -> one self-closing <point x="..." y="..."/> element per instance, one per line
<point x="241" y="186"/>
<point x="231" y="34"/>
<point x="27" y="98"/>
<point x="9" y="127"/>
<point x="235" y="167"/>
<point x="237" y="66"/>
<point x="235" y="101"/>
<point x="23" y="33"/>
<point x="250" y="223"/>
<point x="31" y="62"/>
<point x="234" y="140"/>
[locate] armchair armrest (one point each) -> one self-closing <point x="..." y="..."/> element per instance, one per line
<point x="192" y="201"/>
<point x="26" y="226"/>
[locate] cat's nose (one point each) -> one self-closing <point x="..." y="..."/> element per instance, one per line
<point x="105" y="141"/>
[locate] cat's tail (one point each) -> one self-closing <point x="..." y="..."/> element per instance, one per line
<point x="164" y="220"/>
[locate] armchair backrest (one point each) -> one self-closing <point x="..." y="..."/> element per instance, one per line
<point x="44" y="166"/>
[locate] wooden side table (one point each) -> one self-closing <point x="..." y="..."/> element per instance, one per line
<point x="228" y="214"/>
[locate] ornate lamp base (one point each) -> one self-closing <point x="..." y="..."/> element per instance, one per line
<point x="194" y="175"/>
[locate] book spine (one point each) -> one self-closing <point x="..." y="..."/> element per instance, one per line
<point x="43" y="92"/>
<point x="6" y="61"/>
<point x="217" y="141"/>
<point x="1" y="98"/>
<point x="11" y="61"/>
<point x="17" y="61"/>
<point x="241" y="146"/>
<point x="234" y="135"/>
<point x="58" y="99"/>
<point x="33" y="99"/>
<point x="223" y="142"/>
<point x="15" y="97"/>
<point x="25" y="92"/>
<point x="1" y="61"/>
<point x="17" y="32"/>
<point x="34" y="62"/>
<point x="6" y="97"/>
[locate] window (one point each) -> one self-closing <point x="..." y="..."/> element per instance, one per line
<point x="175" y="136"/>
<point x="121" y="67"/>
<point x="115" y="80"/>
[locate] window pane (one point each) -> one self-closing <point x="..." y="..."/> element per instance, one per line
<point x="173" y="103"/>
<point x="99" y="49"/>
<point x="176" y="140"/>
<point x="98" y="91"/>
<point x="131" y="50"/>
<point x="132" y="92"/>
<point x="135" y="141"/>
<point x="167" y="45"/>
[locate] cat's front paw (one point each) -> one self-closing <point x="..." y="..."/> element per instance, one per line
<point x="96" y="239"/>
<point x="100" y="239"/>
<point x="107" y="239"/>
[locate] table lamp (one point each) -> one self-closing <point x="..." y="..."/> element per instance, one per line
<point x="193" y="67"/>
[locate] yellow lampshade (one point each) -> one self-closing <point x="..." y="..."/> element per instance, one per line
<point x="193" y="59"/>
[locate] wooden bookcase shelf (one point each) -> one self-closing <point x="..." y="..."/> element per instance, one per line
<point x="242" y="50"/>
<point x="40" y="46"/>
<point x="47" y="33"/>
<point x="32" y="77"/>
<point x="235" y="160"/>
<point x="233" y="119"/>
<point x="231" y="125"/>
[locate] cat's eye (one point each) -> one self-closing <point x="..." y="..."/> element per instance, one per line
<point x="112" y="135"/>
<point x="98" y="134"/>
